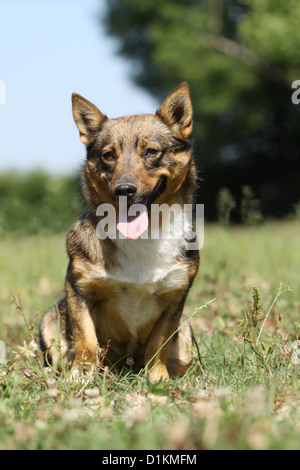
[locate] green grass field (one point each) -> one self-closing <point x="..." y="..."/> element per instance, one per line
<point x="244" y="394"/>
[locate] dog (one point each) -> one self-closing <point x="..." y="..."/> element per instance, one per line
<point x="125" y="295"/>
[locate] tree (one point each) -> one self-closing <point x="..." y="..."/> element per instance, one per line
<point x="240" y="59"/>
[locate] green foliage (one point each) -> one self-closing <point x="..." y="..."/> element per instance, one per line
<point x="36" y="202"/>
<point x="226" y="203"/>
<point x="250" y="207"/>
<point x="279" y="40"/>
<point x="251" y="332"/>
<point x="239" y="58"/>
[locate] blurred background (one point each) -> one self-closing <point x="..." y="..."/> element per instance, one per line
<point x="240" y="59"/>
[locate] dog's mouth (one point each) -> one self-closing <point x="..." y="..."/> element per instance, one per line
<point x="158" y="190"/>
<point x="132" y="226"/>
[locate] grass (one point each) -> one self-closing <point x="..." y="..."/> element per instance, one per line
<point x="245" y="395"/>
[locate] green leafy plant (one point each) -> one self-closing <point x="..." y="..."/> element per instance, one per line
<point x="226" y="203"/>
<point x="251" y="332"/>
<point x="250" y="207"/>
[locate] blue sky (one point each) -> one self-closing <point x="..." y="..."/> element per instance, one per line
<point x="49" y="49"/>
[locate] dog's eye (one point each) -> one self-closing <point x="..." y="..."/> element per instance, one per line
<point x="108" y="156"/>
<point x="151" y="152"/>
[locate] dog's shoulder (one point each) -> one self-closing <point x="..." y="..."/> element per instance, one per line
<point x="85" y="249"/>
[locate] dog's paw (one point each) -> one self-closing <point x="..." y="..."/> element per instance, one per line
<point x="158" y="372"/>
<point x="82" y="374"/>
<point x="75" y="375"/>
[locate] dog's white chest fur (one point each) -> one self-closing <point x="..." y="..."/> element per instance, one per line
<point x="145" y="269"/>
<point x="152" y="264"/>
<point x="149" y="263"/>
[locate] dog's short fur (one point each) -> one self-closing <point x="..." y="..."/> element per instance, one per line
<point x="129" y="294"/>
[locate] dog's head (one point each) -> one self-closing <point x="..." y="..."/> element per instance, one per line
<point x="145" y="157"/>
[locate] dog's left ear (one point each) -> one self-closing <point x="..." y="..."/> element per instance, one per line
<point x="177" y="112"/>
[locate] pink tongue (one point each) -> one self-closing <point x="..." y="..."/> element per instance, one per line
<point x="133" y="226"/>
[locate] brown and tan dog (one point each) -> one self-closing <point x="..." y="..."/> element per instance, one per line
<point x="129" y="293"/>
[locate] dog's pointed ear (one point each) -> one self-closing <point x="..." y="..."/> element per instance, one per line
<point x="87" y="117"/>
<point x="177" y="112"/>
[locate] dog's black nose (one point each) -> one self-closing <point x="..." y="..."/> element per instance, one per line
<point x="127" y="189"/>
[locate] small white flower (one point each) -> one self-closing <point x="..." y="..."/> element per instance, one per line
<point x="40" y="424"/>
<point x="295" y="348"/>
<point x="29" y="350"/>
<point x="51" y="381"/>
<point x="33" y="346"/>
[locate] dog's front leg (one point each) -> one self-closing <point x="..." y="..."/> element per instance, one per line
<point x="157" y="347"/>
<point x="156" y="352"/>
<point x="83" y="329"/>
